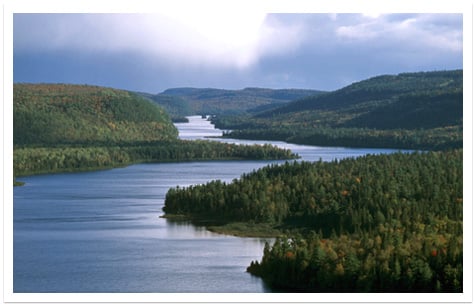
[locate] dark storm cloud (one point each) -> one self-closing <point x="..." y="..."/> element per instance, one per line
<point x="152" y="53"/>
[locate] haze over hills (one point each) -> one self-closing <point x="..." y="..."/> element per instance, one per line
<point x="211" y="101"/>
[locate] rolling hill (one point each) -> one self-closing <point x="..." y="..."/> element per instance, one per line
<point x="69" y="128"/>
<point x="51" y="114"/>
<point x="401" y="109"/>
<point x="210" y="101"/>
<point x="384" y="89"/>
<point x="177" y="107"/>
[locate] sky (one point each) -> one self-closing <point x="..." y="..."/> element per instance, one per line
<point x="153" y="52"/>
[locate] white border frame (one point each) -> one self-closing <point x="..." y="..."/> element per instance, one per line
<point x="271" y="6"/>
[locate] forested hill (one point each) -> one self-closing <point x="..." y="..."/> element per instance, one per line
<point x="69" y="128"/>
<point x="177" y="107"/>
<point x="190" y="101"/>
<point x="381" y="91"/>
<point x="51" y="114"/>
<point x="411" y="110"/>
<point x="407" y="100"/>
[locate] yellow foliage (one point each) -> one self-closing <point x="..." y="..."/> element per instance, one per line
<point x="339" y="269"/>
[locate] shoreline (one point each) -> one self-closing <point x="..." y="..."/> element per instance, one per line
<point x="86" y="159"/>
<point x="237" y="229"/>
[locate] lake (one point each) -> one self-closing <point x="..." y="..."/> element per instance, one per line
<point x="102" y="232"/>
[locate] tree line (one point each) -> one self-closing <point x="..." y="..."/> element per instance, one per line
<point x="61" y="158"/>
<point x="418" y="139"/>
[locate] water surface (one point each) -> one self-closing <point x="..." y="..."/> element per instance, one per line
<point x="101" y="232"/>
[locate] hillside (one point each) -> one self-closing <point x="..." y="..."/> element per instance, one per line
<point x="211" y="101"/>
<point x="403" y="110"/>
<point x="378" y="91"/>
<point x="408" y="100"/>
<point x="177" y="107"/>
<point x="51" y="114"/>
<point x="69" y="128"/>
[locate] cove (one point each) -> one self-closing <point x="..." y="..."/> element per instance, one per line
<point x="101" y="232"/>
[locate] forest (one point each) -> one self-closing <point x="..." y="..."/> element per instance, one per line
<point x="382" y="223"/>
<point x="177" y="107"/>
<point x="36" y="160"/>
<point x="187" y="101"/>
<point x="51" y="114"/>
<point x="379" y="223"/>
<point x="407" y="111"/>
<point x="64" y="128"/>
<point x="441" y="138"/>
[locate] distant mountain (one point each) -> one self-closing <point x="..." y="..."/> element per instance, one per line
<point x="211" y="101"/>
<point x="425" y="105"/>
<point x="80" y="114"/>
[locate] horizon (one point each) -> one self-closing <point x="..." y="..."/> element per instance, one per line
<point x="235" y="89"/>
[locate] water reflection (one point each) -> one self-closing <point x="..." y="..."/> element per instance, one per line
<point x="101" y="231"/>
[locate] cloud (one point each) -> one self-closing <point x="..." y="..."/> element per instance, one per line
<point x="230" y="49"/>
<point x="216" y="39"/>
<point x="280" y="37"/>
<point x="227" y="38"/>
<point x="438" y="31"/>
<point x="337" y="49"/>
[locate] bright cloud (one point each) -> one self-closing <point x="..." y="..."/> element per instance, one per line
<point x="229" y="39"/>
<point x="216" y="39"/>
<point x="279" y="38"/>
<point x="227" y="48"/>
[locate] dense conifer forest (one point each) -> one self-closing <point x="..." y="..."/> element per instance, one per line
<point x="387" y="223"/>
